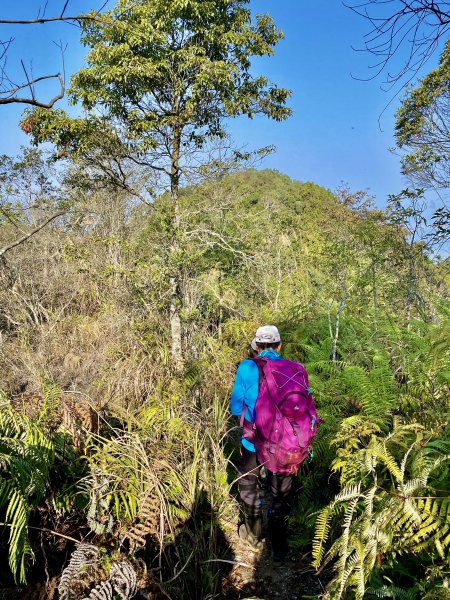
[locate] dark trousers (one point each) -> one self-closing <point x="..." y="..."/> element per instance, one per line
<point x="249" y="485"/>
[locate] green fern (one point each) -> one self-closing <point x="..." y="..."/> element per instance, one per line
<point x="394" y="592"/>
<point x="399" y="512"/>
<point x="375" y="391"/>
<point x="49" y="414"/>
<point x="26" y="455"/>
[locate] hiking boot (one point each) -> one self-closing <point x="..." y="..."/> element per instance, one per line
<point x="251" y="529"/>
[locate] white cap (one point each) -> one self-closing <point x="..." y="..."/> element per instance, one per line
<point x="253" y="345"/>
<point x="267" y="334"/>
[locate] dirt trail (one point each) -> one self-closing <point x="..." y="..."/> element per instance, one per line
<point x="253" y="576"/>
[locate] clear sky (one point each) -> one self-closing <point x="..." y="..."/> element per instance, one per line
<point x="341" y="129"/>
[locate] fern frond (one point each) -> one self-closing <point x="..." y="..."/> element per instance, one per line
<point x="380" y="451"/>
<point x="321" y="535"/>
<point x="349" y="493"/>
<point x="50" y="412"/>
<point x="349" y="567"/>
<point x="432" y="466"/>
<point x="368" y="502"/>
<point x="17" y="514"/>
<point x="404" y="460"/>
<point x="394" y="515"/>
<point x="393" y="592"/>
<point x="26" y="457"/>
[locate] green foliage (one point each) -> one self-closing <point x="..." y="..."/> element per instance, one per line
<point x="51" y="405"/>
<point x="138" y="48"/>
<point x="162" y="77"/>
<point x="376" y="391"/>
<point x="88" y="305"/>
<point x="373" y="391"/>
<point x="165" y="77"/>
<point x="26" y="456"/>
<point x="393" y="503"/>
<point x="158" y="479"/>
<point x="422" y="127"/>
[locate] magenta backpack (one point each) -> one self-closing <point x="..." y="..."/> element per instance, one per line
<point x="285" y="416"/>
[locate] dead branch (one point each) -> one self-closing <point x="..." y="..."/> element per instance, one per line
<point x="62" y="17"/>
<point x="13" y="98"/>
<point x="27" y="236"/>
<point x="74" y="19"/>
<point x="10" y="96"/>
<point x="413" y="26"/>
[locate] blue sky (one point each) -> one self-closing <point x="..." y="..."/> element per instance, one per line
<point x="341" y="129"/>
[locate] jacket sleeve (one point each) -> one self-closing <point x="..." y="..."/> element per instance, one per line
<point x="245" y="389"/>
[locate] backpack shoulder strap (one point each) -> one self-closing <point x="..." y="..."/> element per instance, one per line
<point x="260" y="362"/>
<point x="265" y="371"/>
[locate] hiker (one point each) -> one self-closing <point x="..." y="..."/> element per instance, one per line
<point x="258" y="387"/>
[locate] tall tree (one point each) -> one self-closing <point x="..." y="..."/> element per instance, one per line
<point x="166" y="74"/>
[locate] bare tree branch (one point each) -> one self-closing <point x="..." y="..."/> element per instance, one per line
<point x="27" y="236"/>
<point x="62" y="17"/>
<point x="417" y="25"/>
<point x="64" y="8"/>
<point x="9" y="96"/>
<point x="12" y="98"/>
<point x="75" y="19"/>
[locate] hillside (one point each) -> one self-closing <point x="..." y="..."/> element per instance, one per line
<point x="107" y="440"/>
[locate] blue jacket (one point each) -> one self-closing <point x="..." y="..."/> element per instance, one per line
<point x="245" y="390"/>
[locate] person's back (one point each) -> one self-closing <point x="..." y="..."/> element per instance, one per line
<point x="249" y="383"/>
<point x="285" y="417"/>
<point x="246" y="387"/>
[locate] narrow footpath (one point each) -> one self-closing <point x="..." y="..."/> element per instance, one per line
<point x="254" y="577"/>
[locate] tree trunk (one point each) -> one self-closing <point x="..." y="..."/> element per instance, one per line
<point x="277" y="296"/>
<point x="176" y="300"/>
<point x="374" y="287"/>
<point x="219" y="328"/>
<point x="410" y="282"/>
<point x="335" y="336"/>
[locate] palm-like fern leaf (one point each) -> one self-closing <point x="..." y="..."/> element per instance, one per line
<point x="396" y="514"/>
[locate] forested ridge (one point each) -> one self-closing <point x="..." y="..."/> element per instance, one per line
<point x="140" y="249"/>
<point x="103" y="442"/>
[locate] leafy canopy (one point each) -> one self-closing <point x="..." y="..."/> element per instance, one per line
<point x="422" y="126"/>
<point x="173" y="67"/>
